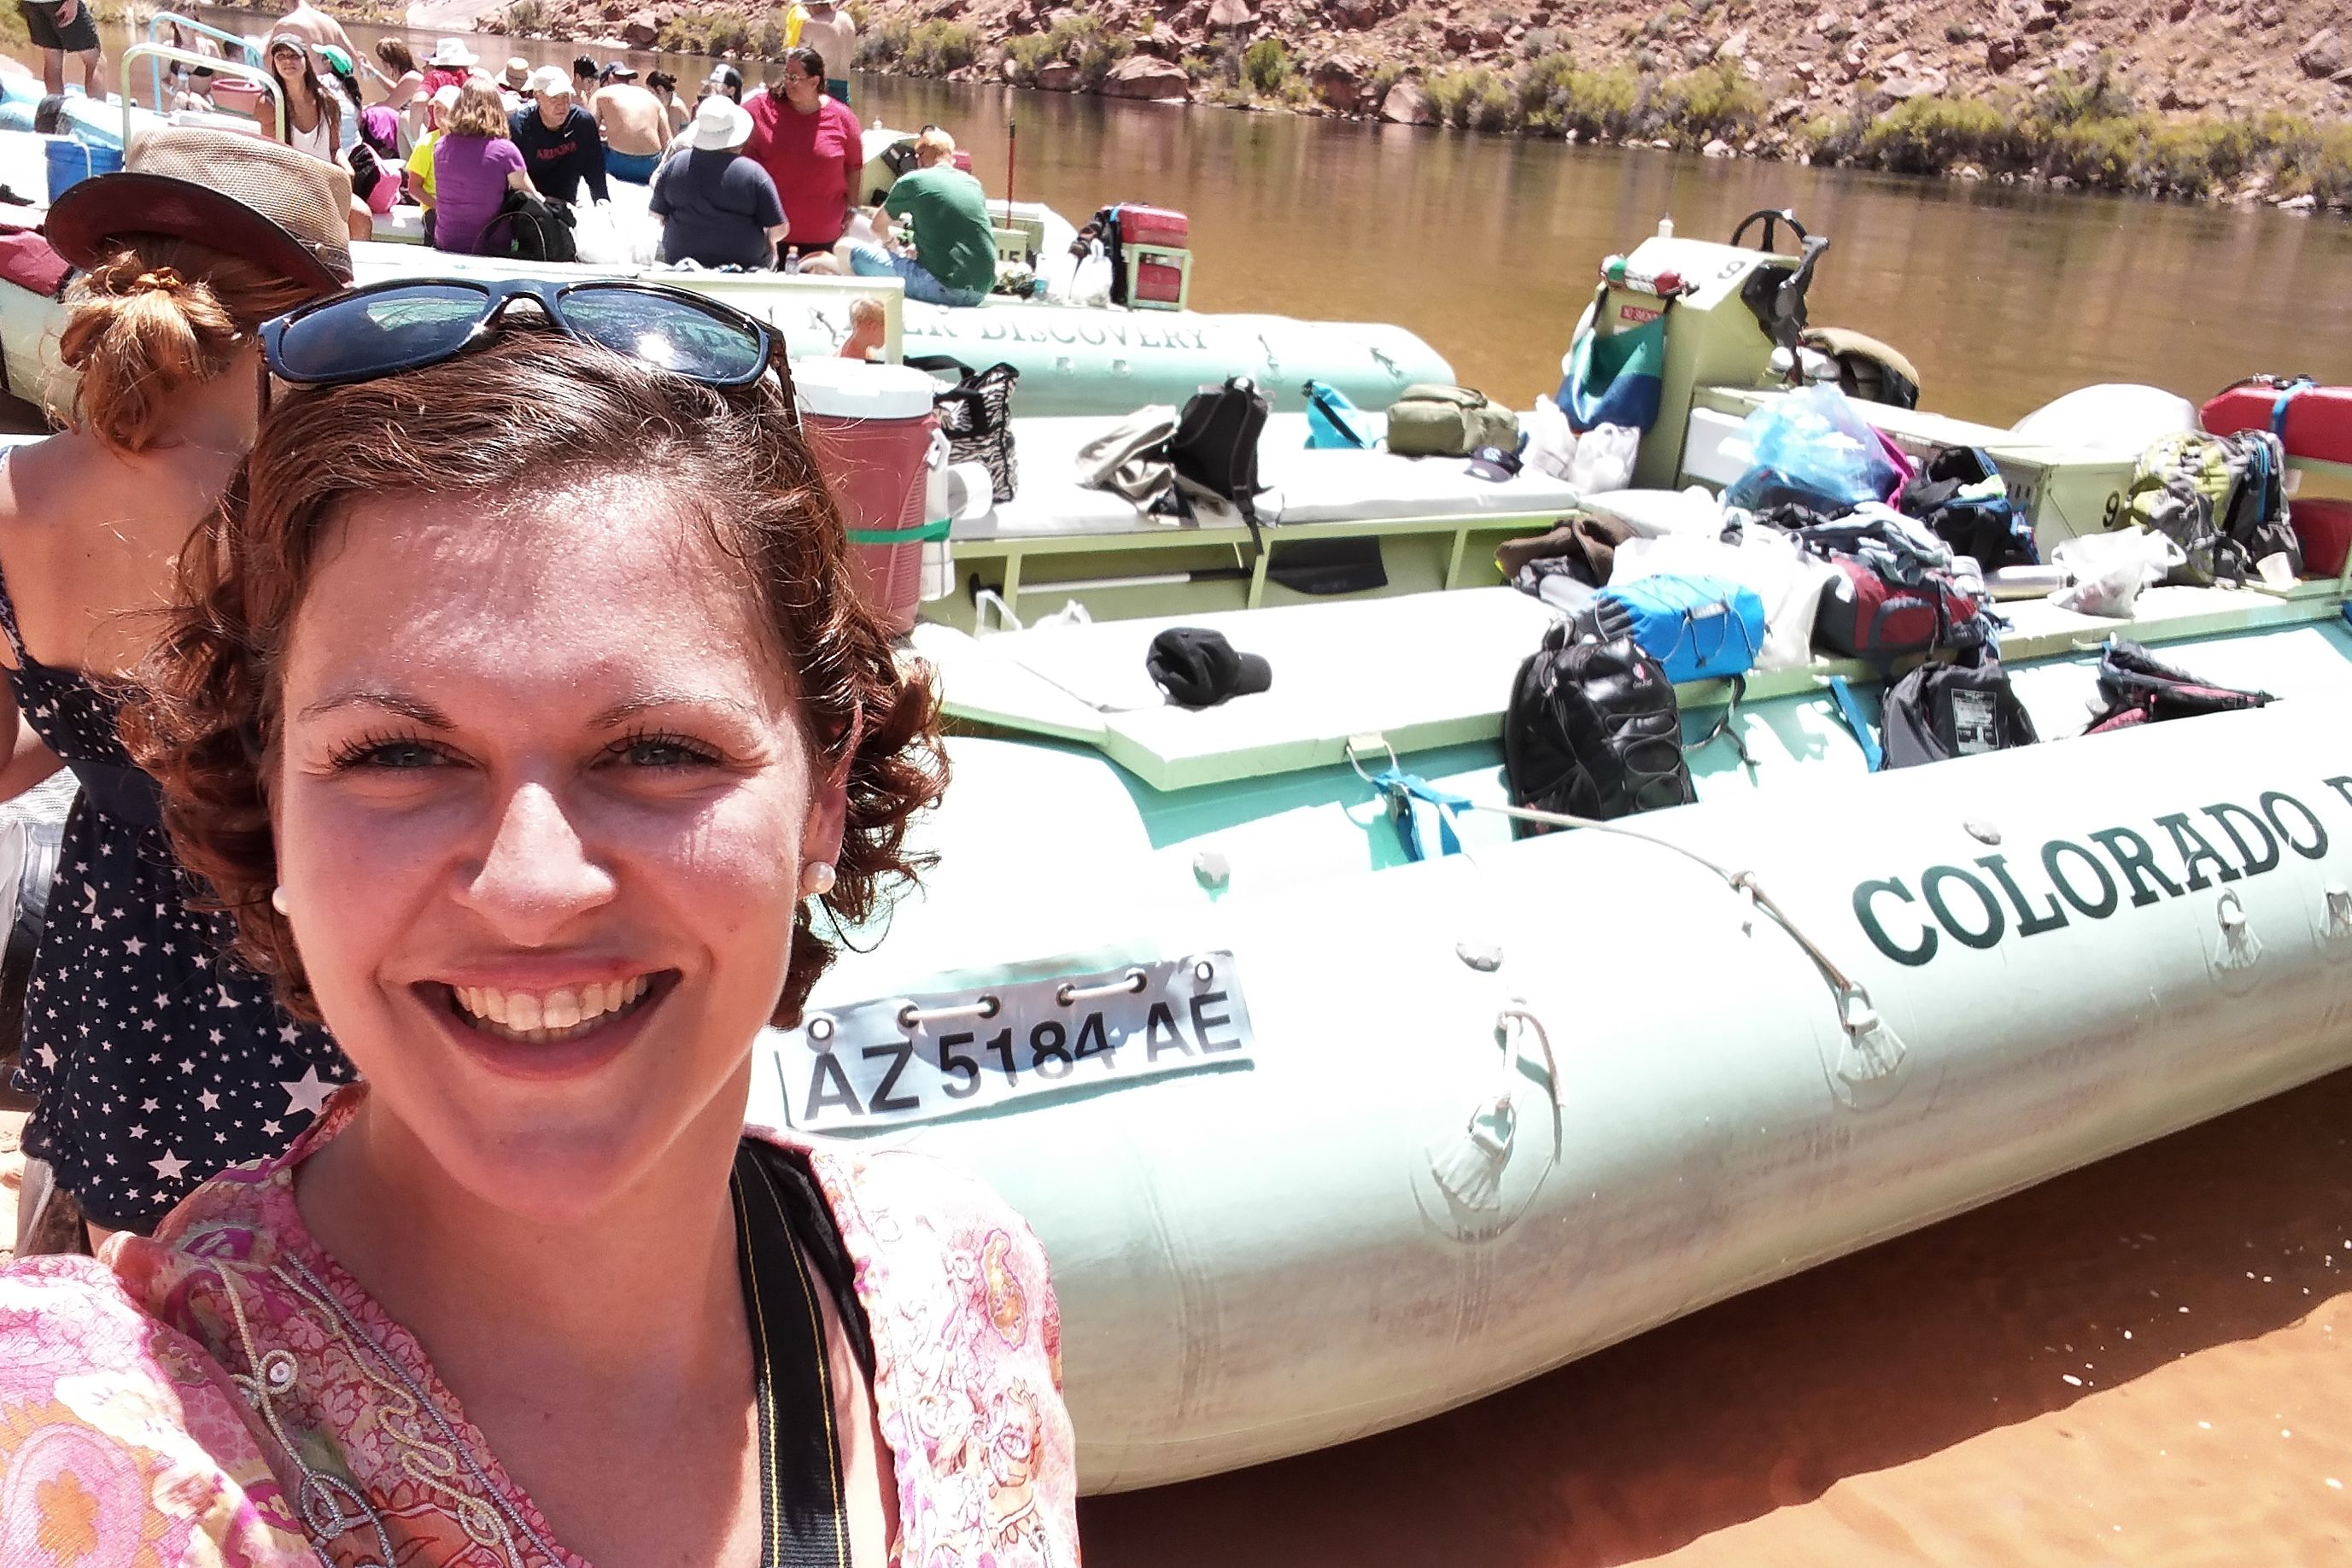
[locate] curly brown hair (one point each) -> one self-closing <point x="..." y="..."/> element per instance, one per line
<point x="531" y="408"/>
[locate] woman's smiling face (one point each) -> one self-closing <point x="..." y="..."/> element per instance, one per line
<point x="541" y="803"/>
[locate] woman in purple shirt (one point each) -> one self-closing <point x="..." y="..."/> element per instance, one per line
<point x="474" y="164"/>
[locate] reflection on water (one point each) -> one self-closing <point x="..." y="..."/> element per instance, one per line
<point x="1488" y="246"/>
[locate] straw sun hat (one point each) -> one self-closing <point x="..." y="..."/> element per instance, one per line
<point x="260" y="200"/>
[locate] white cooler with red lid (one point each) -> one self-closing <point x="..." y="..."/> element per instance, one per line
<point x="870" y="430"/>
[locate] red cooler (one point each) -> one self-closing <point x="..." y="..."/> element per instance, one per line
<point x="1139" y="224"/>
<point x="870" y="427"/>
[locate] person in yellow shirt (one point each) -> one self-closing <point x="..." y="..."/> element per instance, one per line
<point x="420" y="158"/>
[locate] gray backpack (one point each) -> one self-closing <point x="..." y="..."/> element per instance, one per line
<point x="1433" y="421"/>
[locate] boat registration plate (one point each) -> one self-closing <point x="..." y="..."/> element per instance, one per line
<point x="917" y="1059"/>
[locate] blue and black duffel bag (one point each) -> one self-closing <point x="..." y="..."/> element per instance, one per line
<point x="1697" y="627"/>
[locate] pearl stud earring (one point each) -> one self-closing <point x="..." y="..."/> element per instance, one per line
<point x="816" y="879"/>
<point x="278" y="901"/>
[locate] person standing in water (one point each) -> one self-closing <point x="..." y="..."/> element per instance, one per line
<point x="157" y="1055"/>
<point x="813" y="149"/>
<point x="829" y="30"/>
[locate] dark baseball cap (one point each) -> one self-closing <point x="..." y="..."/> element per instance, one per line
<point x="1199" y="669"/>
<point x="1495" y="463"/>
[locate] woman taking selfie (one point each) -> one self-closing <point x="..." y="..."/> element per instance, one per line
<point x="157" y="1057"/>
<point x="538" y="751"/>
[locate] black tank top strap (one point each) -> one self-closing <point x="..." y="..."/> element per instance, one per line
<point x="803" y="1520"/>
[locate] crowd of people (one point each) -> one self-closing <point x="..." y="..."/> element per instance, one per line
<point x="767" y="178"/>
<point x="479" y="739"/>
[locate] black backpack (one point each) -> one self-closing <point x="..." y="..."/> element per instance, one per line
<point x="1215" y="444"/>
<point x="1593" y="730"/>
<point x="1941" y="710"/>
<point x="529" y="228"/>
<point x="1984" y="526"/>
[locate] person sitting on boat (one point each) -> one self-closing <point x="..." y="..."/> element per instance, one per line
<point x="314" y="117"/>
<point x="59" y="27"/>
<point x="587" y="76"/>
<point x="156" y="1057"/>
<point x="676" y="115"/>
<point x="404" y="87"/>
<point x="560" y="143"/>
<point x="581" y="746"/>
<point x="378" y="157"/>
<point x="313" y="114"/>
<point x="954" y="262"/>
<point x="812" y="146"/>
<point x="726" y="80"/>
<point x="437" y="109"/>
<point x="635" y="126"/>
<point x="451" y="63"/>
<point x="474" y="164"/>
<point x="717" y="207"/>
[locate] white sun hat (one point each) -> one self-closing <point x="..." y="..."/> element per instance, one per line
<point x="719" y="123"/>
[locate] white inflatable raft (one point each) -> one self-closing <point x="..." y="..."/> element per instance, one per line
<point x="1175" y="992"/>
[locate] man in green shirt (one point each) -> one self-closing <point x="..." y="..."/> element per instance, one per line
<point x="954" y="260"/>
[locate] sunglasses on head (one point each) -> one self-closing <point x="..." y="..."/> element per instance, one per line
<point x="386" y="328"/>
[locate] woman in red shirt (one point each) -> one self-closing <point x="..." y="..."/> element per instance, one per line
<point x="813" y="148"/>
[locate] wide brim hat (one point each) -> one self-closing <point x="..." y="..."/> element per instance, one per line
<point x="518" y="73"/>
<point x="261" y="201"/>
<point x="451" y="53"/>
<point x="719" y="123"/>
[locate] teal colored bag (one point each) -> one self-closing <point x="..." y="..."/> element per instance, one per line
<point x="1615" y="378"/>
<point x="1332" y="422"/>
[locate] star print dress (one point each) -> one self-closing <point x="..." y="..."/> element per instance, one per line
<point x="159" y="1057"/>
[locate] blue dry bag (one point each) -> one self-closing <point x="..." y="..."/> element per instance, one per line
<point x="1333" y="422"/>
<point x="1697" y="627"/>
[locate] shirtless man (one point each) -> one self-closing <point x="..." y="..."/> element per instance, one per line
<point x="317" y="29"/>
<point x="635" y="125"/>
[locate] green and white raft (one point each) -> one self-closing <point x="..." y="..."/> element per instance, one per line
<point x="1322" y="1140"/>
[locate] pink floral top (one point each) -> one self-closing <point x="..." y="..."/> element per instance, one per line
<point x="224" y="1395"/>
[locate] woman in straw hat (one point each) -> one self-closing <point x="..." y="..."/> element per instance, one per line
<point x="158" y="1058"/>
<point x="523" y="709"/>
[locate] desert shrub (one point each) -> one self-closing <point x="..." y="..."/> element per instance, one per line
<point x="882" y="45"/>
<point x="1081" y="38"/>
<point x="725" y="33"/>
<point x="1540" y="42"/>
<point x="2096" y="94"/>
<point x="937" y="48"/>
<point x="1927" y="135"/>
<point x="1266" y="65"/>
<point x="523" y="18"/>
<point x="1713" y="101"/>
<point x="1027" y="52"/>
<point x="2198" y="157"/>
<point x="1477" y="99"/>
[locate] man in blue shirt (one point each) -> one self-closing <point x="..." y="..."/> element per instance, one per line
<point x="560" y="144"/>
